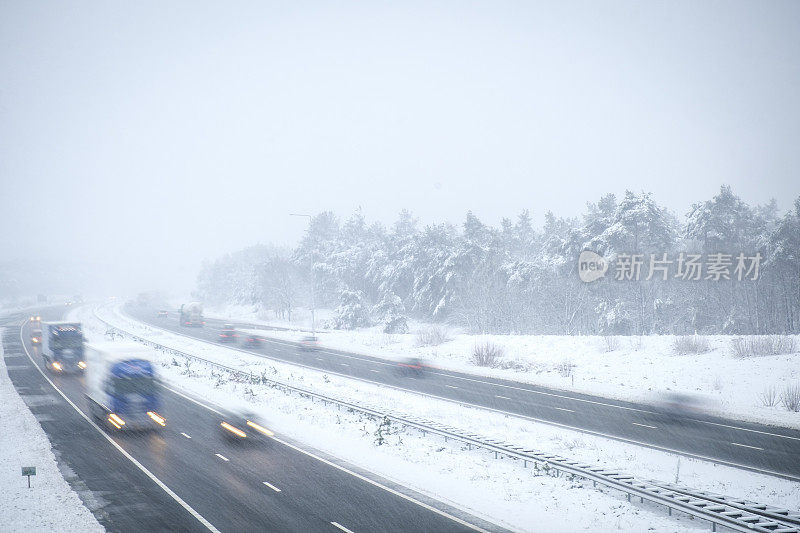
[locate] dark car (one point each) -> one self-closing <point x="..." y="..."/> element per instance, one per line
<point x="309" y="343"/>
<point x="228" y="333"/>
<point x="244" y="427"/>
<point x="253" y="340"/>
<point x="411" y="367"/>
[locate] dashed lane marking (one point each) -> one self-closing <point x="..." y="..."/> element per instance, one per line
<point x="273" y="487"/>
<point x="747" y="446"/>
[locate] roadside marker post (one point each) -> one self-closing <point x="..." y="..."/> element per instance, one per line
<point x="29" y="471"/>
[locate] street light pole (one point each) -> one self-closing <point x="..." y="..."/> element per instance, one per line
<point x="313" y="280"/>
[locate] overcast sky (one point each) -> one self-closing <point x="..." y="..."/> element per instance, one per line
<point x="143" y="137"/>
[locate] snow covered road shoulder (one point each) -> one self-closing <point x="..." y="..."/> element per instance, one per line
<point x="50" y="504"/>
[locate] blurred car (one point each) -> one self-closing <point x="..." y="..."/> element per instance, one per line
<point x="252" y="340"/>
<point x="244" y="426"/>
<point x="36" y="336"/>
<point x="680" y="405"/>
<point x="163" y="314"/>
<point x="411" y="367"/>
<point x="228" y="333"/>
<point x="309" y="343"/>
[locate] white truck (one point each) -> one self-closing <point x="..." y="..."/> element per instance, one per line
<point x="192" y="314"/>
<point x="62" y="346"/>
<point x="122" y="386"/>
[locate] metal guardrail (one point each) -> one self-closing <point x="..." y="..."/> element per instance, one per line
<point x="734" y="513"/>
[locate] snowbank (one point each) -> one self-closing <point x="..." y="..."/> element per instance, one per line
<point x="50" y="504"/>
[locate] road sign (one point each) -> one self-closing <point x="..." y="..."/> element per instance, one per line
<point x="29" y="471"/>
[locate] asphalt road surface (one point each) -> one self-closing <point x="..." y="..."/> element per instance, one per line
<point x="767" y="449"/>
<point x="188" y="477"/>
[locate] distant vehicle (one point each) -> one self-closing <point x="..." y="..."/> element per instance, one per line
<point x="36" y="321"/>
<point x="163" y="314"/>
<point x="678" y="405"/>
<point x="228" y="333"/>
<point x="36" y="336"/>
<point x="122" y="386"/>
<point x="192" y="314"/>
<point x="252" y="340"/>
<point x="62" y="346"/>
<point x="309" y="343"/>
<point x="411" y="367"/>
<point x="68" y="303"/>
<point x="244" y="427"/>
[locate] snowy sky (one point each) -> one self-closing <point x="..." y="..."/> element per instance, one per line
<point x="143" y="137"/>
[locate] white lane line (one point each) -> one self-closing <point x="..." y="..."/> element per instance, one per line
<point x="746" y="446"/>
<point x="644" y="425"/>
<point x="121" y="450"/>
<point x="185" y="435"/>
<point x="344" y="364"/>
<point x="371" y="481"/>
<point x="451" y="386"/>
<point x="564" y="409"/>
<point x="340" y="526"/>
<point x="222" y="457"/>
<point x="376" y="371"/>
<point x="319" y="359"/>
<point x="503" y="397"/>
<point x="273" y="487"/>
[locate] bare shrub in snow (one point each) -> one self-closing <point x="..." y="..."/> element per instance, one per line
<point x="432" y="336"/>
<point x="769" y="396"/>
<point x="790" y="398"/>
<point x="610" y="343"/>
<point x="761" y="345"/>
<point x="688" y="344"/>
<point x="487" y="354"/>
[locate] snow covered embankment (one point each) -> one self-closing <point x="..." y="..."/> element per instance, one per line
<point x="50" y="504"/>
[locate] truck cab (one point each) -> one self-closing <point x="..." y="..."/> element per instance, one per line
<point x="122" y="386"/>
<point x="62" y="346"/>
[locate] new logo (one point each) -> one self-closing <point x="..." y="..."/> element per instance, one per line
<point x="591" y="266"/>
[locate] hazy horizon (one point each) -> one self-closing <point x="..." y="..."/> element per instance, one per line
<point x="144" y="139"/>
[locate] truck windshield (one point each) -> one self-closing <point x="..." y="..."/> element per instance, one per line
<point x="61" y="343"/>
<point x="134" y="385"/>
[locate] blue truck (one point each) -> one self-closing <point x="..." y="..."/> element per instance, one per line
<point x="122" y="386"/>
<point x="62" y="346"/>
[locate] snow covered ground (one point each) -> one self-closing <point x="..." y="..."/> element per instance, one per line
<point x="50" y="504"/>
<point x="635" y="368"/>
<point x="524" y="499"/>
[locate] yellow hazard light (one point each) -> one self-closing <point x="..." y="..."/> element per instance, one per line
<point x="262" y="429"/>
<point x="57" y="366"/>
<point x="236" y="431"/>
<point x="158" y="419"/>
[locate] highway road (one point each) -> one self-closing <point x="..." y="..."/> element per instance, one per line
<point x="188" y="477"/>
<point x="767" y="449"/>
